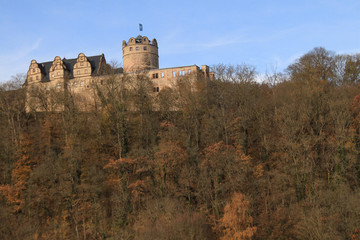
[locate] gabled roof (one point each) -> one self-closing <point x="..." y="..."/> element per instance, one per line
<point x="94" y="61"/>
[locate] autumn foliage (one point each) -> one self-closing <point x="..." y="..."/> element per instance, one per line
<point x="230" y="158"/>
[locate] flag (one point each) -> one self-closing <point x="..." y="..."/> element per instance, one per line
<point x="140" y="27"/>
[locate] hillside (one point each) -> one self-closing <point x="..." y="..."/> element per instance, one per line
<point x="229" y="158"/>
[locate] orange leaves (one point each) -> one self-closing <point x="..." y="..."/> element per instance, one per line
<point x="11" y="194"/>
<point x="237" y="222"/>
<point x="137" y="189"/>
<point x="355" y="235"/>
<point x="20" y="175"/>
<point x="259" y="171"/>
<point x="115" y="164"/>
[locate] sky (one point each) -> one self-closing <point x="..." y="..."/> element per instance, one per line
<point x="266" y="34"/>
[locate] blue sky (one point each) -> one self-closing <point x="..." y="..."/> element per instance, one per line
<point x="266" y="34"/>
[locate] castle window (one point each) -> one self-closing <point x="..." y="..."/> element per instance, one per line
<point x="82" y="83"/>
<point x="52" y="75"/>
<point x="174" y="74"/>
<point x="182" y="73"/>
<point x="85" y="70"/>
<point x="30" y="78"/>
<point x="155" y="75"/>
<point x="37" y="77"/>
<point x="137" y="48"/>
<point x="145" y="48"/>
<point x="130" y="48"/>
<point x="78" y="72"/>
<point x="34" y="70"/>
<point x="156" y="89"/>
<point x="189" y="72"/>
<point x="162" y="75"/>
<point x="82" y="64"/>
<point x="58" y="73"/>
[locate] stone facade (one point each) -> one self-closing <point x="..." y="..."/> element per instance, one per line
<point x="79" y="75"/>
<point x="139" y="54"/>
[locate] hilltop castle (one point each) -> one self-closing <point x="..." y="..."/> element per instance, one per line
<point x="140" y="55"/>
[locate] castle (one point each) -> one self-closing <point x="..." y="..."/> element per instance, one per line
<point x="140" y="55"/>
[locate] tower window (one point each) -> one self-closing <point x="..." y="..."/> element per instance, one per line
<point x="34" y="70"/>
<point x="130" y="48"/>
<point x="137" y="48"/>
<point x="156" y="89"/>
<point x="37" y="77"/>
<point x="86" y="71"/>
<point x="189" y="71"/>
<point x="174" y="74"/>
<point x="145" y="48"/>
<point x="155" y="75"/>
<point x="162" y="75"/>
<point x="82" y="64"/>
<point x="78" y="72"/>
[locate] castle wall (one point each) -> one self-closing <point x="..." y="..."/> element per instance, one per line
<point x="79" y="77"/>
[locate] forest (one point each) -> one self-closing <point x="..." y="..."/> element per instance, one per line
<point x="228" y="158"/>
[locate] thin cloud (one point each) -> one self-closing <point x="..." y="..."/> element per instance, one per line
<point x="21" y="53"/>
<point x="17" y="61"/>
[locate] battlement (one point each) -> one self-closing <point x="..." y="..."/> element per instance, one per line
<point x="140" y="40"/>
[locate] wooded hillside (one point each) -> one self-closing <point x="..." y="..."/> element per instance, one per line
<point x="230" y="158"/>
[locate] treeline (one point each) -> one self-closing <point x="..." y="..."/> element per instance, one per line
<point x="230" y="158"/>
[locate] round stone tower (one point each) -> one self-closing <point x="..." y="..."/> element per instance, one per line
<point x="140" y="54"/>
